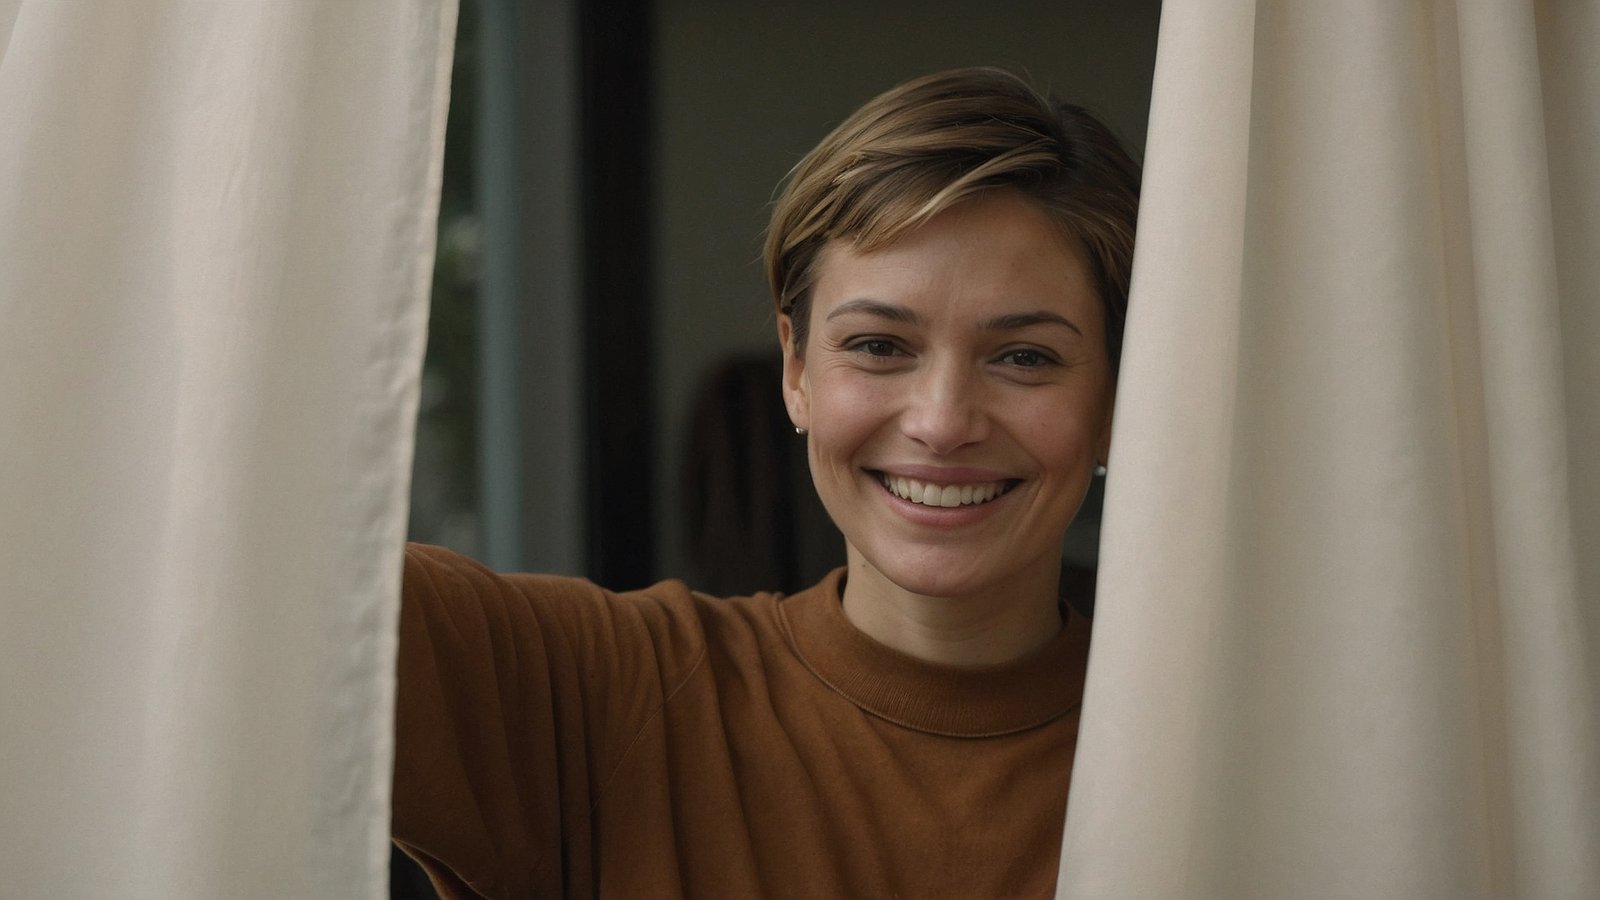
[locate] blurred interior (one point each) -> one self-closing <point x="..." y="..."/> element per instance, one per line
<point x="600" y="393"/>
<point x="608" y="174"/>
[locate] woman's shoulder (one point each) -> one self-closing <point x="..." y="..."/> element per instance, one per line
<point x="670" y="617"/>
<point x="441" y="571"/>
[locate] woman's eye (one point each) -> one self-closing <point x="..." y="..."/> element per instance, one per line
<point x="875" y="347"/>
<point x="1027" y="359"/>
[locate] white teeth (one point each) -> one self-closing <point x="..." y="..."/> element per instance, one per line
<point x="947" y="495"/>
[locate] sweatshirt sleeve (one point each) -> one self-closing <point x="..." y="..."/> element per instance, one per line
<point x="517" y="697"/>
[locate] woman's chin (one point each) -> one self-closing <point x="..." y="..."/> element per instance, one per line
<point x="943" y="577"/>
<point x="952" y="588"/>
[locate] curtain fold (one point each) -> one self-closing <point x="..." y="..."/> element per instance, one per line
<point x="1354" y="499"/>
<point x="216" y="240"/>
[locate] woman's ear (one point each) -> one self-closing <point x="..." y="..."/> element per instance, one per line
<point x="794" y="375"/>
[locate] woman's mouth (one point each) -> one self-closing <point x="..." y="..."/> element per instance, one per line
<point x="928" y="493"/>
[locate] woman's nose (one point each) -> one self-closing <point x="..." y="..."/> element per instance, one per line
<point x="945" y="409"/>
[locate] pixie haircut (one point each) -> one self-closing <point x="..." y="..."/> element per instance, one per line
<point x="917" y="149"/>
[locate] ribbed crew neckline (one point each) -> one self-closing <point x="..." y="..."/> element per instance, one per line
<point x="937" y="698"/>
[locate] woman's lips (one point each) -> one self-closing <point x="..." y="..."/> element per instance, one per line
<point x="946" y="493"/>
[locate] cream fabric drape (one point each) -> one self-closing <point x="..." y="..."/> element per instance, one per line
<point x="1347" y="640"/>
<point x="216" y="238"/>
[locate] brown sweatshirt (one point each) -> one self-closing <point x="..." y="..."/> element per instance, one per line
<point x="558" y="740"/>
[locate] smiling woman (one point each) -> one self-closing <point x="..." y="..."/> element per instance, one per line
<point x="957" y="391"/>
<point x="951" y="269"/>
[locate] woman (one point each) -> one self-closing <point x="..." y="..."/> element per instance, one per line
<point x="950" y="267"/>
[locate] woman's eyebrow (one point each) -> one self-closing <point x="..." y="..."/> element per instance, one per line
<point x="1014" y="321"/>
<point x="894" y="313"/>
<point x="875" y="308"/>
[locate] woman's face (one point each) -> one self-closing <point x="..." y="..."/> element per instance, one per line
<point x="957" y="392"/>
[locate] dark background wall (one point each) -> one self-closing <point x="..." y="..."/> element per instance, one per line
<point x="743" y="89"/>
<point x="609" y="171"/>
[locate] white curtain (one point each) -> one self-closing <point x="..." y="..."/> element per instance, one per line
<point x="216" y="238"/>
<point x="1347" y="640"/>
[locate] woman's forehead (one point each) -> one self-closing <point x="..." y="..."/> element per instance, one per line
<point x="989" y="256"/>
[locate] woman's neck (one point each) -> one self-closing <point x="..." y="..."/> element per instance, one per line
<point x="998" y="625"/>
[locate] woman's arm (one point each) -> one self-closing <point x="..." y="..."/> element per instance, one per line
<point x="519" y="696"/>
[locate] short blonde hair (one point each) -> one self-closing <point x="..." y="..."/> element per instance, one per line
<point x="919" y="148"/>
